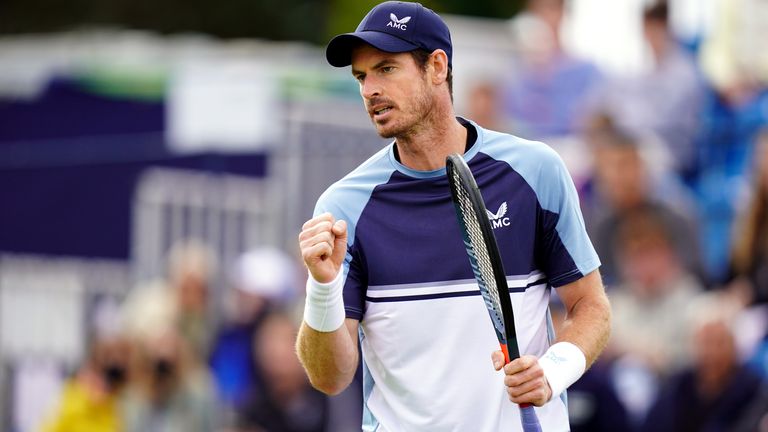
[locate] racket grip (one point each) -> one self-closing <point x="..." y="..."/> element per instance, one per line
<point x="529" y="419"/>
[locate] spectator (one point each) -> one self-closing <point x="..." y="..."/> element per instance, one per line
<point x="733" y="55"/>
<point x="89" y="402"/>
<point x="287" y="402"/>
<point x="261" y="279"/>
<point x="649" y="337"/>
<point x="715" y="392"/>
<point x="546" y="93"/>
<point x="664" y="101"/>
<point x="169" y="392"/>
<point x="484" y="104"/>
<point x="191" y="270"/>
<point x="735" y="64"/>
<point x="650" y="303"/>
<point x="621" y="183"/>
<point x="180" y="300"/>
<point x="749" y="255"/>
<point x="749" y="263"/>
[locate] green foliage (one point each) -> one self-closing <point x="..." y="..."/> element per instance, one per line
<point x="344" y="15"/>
<point x="481" y="8"/>
<point x="313" y="21"/>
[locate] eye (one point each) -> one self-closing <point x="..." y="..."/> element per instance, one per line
<point x="360" y="77"/>
<point x="387" y="69"/>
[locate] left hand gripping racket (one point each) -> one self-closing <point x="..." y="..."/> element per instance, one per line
<point x="487" y="266"/>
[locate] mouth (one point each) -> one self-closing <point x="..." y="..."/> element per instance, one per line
<point x="380" y="110"/>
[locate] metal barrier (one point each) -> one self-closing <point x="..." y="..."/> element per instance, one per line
<point x="326" y="140"/>
<point x="228" y="213"/>
<point x="48" y="305"/>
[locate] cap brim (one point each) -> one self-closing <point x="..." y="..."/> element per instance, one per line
<point x="339" y="50"/>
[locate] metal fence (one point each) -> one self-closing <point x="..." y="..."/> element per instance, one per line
<point x="229" y="213"/>
<point x="47" y="306"/>
<point x="325" y="141"/>
<point x="47" y="303"/>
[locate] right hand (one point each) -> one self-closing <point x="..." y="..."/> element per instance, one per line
<point x="323" y="243"/>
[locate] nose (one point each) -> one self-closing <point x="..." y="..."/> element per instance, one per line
<point x="369" y="88"/>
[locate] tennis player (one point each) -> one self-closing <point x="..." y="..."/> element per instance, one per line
<point x="388" y="269"/>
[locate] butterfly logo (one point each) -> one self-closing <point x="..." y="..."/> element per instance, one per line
<point x="499" y="219"/>
<point x="499" y="213"/>
<point x="398" y="23"/>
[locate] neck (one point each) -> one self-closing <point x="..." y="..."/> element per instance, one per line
<point x="712" y="383"/>
<point x="426" y="147"/>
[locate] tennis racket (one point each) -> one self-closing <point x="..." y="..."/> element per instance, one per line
<point x="487" y="266"/>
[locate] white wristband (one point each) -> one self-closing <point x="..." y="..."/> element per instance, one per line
<point x="563" y="365"/>
<point x="324" y="307"/>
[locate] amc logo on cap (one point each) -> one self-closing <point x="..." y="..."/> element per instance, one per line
<point x="398" y="23"/>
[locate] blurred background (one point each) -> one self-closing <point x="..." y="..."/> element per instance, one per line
<point x="157" y="160"/>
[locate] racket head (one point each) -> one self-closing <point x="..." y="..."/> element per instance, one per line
<point x="483" y="252"/>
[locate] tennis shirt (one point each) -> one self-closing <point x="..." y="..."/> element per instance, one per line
<point x="425" y="334"/>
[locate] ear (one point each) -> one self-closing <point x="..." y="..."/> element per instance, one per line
<point x="438" y="62"/>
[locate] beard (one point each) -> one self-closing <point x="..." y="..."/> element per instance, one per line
<point x="418" y="109"/>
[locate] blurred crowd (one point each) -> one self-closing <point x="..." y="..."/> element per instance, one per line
<point x="671" y="164"/>
<point x="672" y="169"/>
<point x="167" y="364"/>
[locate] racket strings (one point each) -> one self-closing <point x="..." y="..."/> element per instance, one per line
<point x="482" y="265"/>
<point x="479" y="252"/>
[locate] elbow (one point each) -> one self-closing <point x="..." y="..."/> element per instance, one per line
<point x="606" y="319"/>
<point x="607" y="315"/>
<point x="330" y="387"/>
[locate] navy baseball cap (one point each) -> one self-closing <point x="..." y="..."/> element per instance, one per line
<point x="395" y="27"/>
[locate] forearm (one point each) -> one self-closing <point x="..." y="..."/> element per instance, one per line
<point x="327" y="341"/>
<point x="330" y="358"/>
<point x="587" y="323"/>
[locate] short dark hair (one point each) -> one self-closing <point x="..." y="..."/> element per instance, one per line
<point x="421" y="56"/>
<point x="658" y="11"/>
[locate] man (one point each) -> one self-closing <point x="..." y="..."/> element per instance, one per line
<point x="387" y="266"/>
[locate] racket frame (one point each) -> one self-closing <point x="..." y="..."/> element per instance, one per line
<point x="455" y="164"/>
<point x="507" y="337"/>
